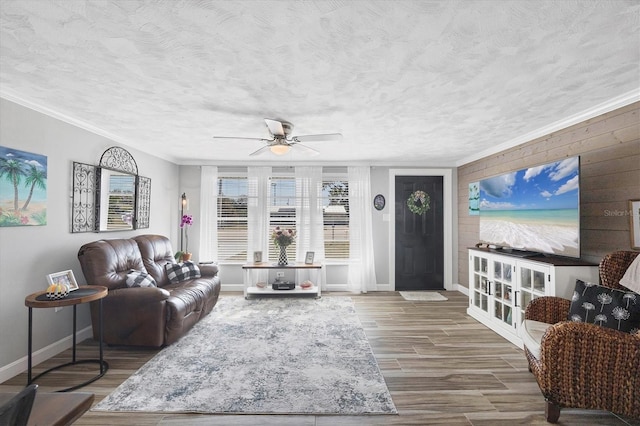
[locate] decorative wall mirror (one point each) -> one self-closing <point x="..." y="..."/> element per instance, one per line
<point x="110" y="196"/>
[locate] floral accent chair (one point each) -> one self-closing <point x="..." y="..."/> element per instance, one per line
<point x="582" y="363"/>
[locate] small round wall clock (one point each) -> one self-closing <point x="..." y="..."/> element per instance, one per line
<point x="378" y="202"/>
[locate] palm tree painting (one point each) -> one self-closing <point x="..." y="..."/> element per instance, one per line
<point x="23" y="188"/>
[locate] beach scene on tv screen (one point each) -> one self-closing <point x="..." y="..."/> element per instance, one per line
<point x="535" y="209"/>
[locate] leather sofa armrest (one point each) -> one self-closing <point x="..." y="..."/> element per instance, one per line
<point x="549" y="309"/>
<point x="208" y="270"/>
<point x="133" y="316"/>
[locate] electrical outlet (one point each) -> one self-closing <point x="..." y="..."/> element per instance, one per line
<point x="279" y="274"/>
<point x="58" y="308"/>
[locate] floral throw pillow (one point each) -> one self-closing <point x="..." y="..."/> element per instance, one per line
<point x="178" y="272"/>
<point x="605" y="306"/>
<point x="140" y="279"/>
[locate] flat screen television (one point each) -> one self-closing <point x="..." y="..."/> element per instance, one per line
<point x="533" y="211"/>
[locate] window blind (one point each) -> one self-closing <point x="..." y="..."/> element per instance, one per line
<point x="232" y="217"/>
<point x="232" y="214"/>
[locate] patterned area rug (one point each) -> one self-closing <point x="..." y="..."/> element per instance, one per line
<point x="263" y="356"/>
<point x="429" y="296"/>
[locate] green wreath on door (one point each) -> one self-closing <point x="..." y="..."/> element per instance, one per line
<point x="418" y="202"/>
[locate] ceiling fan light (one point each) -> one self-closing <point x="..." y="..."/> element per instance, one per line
<point x="279" y="149"/>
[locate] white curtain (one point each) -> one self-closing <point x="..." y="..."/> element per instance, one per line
<point x="258" y="217"/>
<point x="362" y="272"/>
<point x="208" y="213"/>
<point x="309" y="220"/>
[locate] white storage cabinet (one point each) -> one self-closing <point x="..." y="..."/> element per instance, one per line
<point x="501" y="284"/>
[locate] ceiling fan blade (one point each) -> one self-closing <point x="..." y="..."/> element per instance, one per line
<point x="317" y="138"/>
<point x="261" y="150"/>
<point x="305" y="149"/>
<point x="275" y="127"/>
<point x="235" y="138"/>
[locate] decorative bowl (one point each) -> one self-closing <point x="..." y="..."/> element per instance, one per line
<point x="57" y="291"/>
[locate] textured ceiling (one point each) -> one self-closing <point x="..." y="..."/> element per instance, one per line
<point x="427" y="82"/>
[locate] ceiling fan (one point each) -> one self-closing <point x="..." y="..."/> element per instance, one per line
<point x="282" y="141"/>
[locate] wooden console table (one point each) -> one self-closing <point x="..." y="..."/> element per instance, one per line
<point x="84" y="294"/>
<point x="250" y="288"/>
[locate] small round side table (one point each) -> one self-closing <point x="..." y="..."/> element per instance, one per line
<point x="84" y="294"/>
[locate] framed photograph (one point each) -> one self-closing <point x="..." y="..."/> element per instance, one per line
<point x="634" y="223"/>
<point x="308" y="259"/>
<point x="257" y="257"/>
<point x="379" y="202"/>
<point x="63" y="277"/>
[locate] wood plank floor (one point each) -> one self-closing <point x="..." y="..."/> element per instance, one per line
<point x="441" y="367"/>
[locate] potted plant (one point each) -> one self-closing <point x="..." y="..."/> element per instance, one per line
<point x="185" y="223"/>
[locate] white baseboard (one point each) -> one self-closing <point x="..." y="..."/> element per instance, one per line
<point x="343" y="287"/>
<point x="462" y="289"/>
<point x="328" y="287"/>
<point x="232" y="287"/>
<point x="20" y="366"/>
<point x="383" y="287"/>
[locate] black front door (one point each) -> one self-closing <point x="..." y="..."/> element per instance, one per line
<point x="419" y="238"/>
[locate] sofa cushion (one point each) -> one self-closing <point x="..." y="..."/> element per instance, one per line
<point x="531" y="334"/>
<point x="607" y="307"/>
<point x="140" y="279"/>
<point x="156" y="252"/>
<point x="106" y="262"/>
<point x="178" y="272"/>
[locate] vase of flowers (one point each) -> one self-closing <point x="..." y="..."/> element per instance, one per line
<point x="283" y="238"/>
<point x="185" y="223"/>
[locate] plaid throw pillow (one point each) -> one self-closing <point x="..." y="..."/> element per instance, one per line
<point x="178" y="272"/>
<point x="140" y="279"/>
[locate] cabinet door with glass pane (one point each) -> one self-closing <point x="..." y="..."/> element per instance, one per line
<point x="504" y="282"/>
<point x="479" y="278"/>
<point x="533" y="283"/>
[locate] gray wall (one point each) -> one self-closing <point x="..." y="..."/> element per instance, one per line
<point x="380" y="222"/>
<point x="29" y="253"/>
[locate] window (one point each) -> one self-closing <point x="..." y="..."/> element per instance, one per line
<point x="282" y="209"/>
<point x="232" y="220"/>
<point x="335" y="201"/>
<point x="232" y="217"/>
<point x="121" y="201"/>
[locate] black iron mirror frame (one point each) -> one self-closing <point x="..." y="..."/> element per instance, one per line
<point x="86" y="197"/>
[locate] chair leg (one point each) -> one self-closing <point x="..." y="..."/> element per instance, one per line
<point x="552" y="411"/>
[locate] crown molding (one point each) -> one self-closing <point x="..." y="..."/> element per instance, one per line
<point x="612" y="104"/>
<point x="608" y="106"/>
<point x="27" y="103"/>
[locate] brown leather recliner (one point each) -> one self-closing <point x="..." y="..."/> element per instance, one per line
<point x="145" y="316"/>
